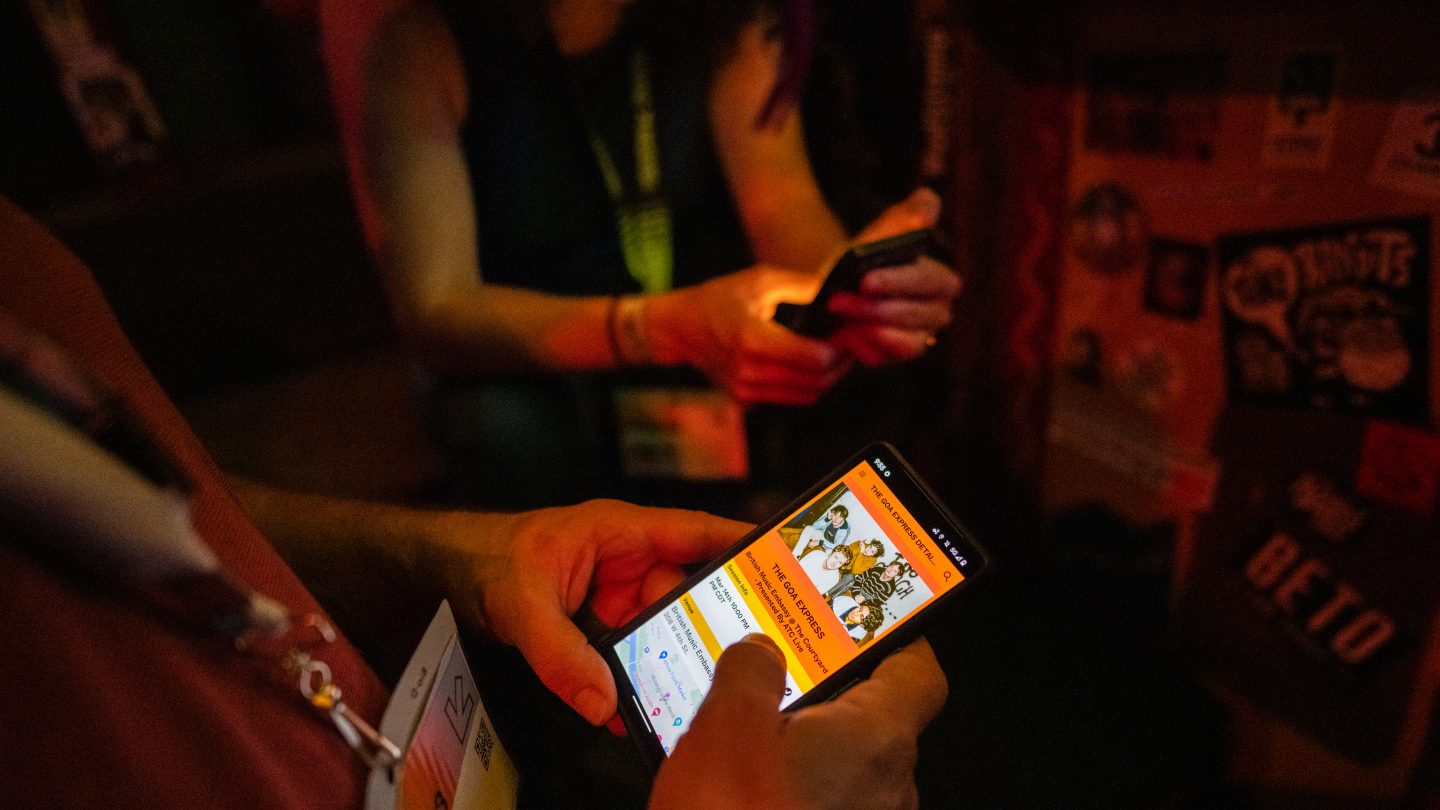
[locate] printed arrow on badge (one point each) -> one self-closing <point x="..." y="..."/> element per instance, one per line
<point x="460" y="709"/>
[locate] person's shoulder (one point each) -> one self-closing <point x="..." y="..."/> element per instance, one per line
<point x="414" y="53"/>
<point x="415" y="34"/>
<point x="368" y="31"/>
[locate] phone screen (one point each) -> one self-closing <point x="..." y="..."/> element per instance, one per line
<point x="860" y="558"/>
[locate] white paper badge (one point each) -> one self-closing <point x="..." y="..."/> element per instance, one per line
<point x="452" y="757"/>
<point x="694" y="434"/>
<point x="1409" y="157"/>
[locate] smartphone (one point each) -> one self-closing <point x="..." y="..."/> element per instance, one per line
<point x="815" y="319"/>
<point x="847" y="573"/>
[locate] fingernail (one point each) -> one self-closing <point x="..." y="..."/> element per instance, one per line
<point x="592" y="705"/>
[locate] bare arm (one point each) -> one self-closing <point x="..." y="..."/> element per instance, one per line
<point x="415" y="182"/>
<point x="784" y="215"/>
<point x="425" y="241"/>
<point x="414" y="193"/>
<point x="518" y="576"/>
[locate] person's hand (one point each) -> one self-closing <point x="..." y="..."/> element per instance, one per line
<point x="899" y="309"/>
<point x="523" y="576"/>
<point x="858" y="750"/>
<point x="724" y="328"/>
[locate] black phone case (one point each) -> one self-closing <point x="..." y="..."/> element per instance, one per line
<point x="815" y="319"/>
<point x="848" y="675"/>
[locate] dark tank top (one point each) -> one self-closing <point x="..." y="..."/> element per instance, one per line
<point x="544" y="218"/>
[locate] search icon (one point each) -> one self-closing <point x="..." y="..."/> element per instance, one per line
<point x="947" y="576"/>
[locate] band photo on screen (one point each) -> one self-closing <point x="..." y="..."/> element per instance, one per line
<point x="864" y="579"/>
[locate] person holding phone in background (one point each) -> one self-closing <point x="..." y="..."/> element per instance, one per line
<point x="563" y="189"/>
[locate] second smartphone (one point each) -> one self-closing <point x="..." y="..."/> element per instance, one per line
<point x="815" y="319"/>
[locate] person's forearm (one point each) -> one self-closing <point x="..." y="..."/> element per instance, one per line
<point x="793" y="228"/>
<point x="355" y="555"/>
<point x="786" y="219"/>
<point x="496" y="328"/>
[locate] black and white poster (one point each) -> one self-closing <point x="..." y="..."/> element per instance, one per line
<point x="1302" y="590"/>
<point x="1332" y="317"/>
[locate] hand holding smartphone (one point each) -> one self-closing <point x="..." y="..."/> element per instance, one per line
<point x="815" y="319"/>
<point x="842" y="577"/>
<point x="741" y="751"/>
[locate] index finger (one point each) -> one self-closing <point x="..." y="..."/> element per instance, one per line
<point x="923" y="278"/>
<point x="771" y="341"/>
<point x="684" y="535"/>
<point x="908" y="686"/>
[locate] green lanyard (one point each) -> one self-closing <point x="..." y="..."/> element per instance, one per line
<point x="642" y="220"/>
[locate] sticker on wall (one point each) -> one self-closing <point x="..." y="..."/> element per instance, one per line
<point x="1301" y="125"/>
<point x="1217" y="192"/>
<point x="1096" y="428"/>
<point x="1400" y="466"/>
<point x="1332" y="317"/>
<point x="1409" y="157"/>
<point x="1150" y="374"/>
<point x="106" y="93"/>
<point x="1175" y="278"/>
<point x="1085" y="356"/>
<point x="1107" y="229"/>
<point x="1164" y="105"/>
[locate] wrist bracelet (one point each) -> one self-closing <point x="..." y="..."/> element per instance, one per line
<point x="612" y="309"/>
<point x="627" y="331"/>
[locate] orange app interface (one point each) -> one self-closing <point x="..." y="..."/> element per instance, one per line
<point x="837" y="575"/>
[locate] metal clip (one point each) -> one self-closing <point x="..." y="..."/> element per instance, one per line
<point x="373" y="748"/>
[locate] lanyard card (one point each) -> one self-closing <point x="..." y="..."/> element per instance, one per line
<point x="690" y="434"/>
<point x="452" y="757"/>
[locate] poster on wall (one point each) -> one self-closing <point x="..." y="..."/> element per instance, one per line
<point x="1334" y="317"/>
<point x="1164" y="105"/>
<point x="106" y="94"/>
<point x="1302" y="593"/>
<point x="1301" y="123"/>
<point x="1409" y="157"/>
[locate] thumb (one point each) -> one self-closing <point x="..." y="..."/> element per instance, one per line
<point x="920" y="210"/>
<point x="749" y="682"/>
<point x="564" y="660"/>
